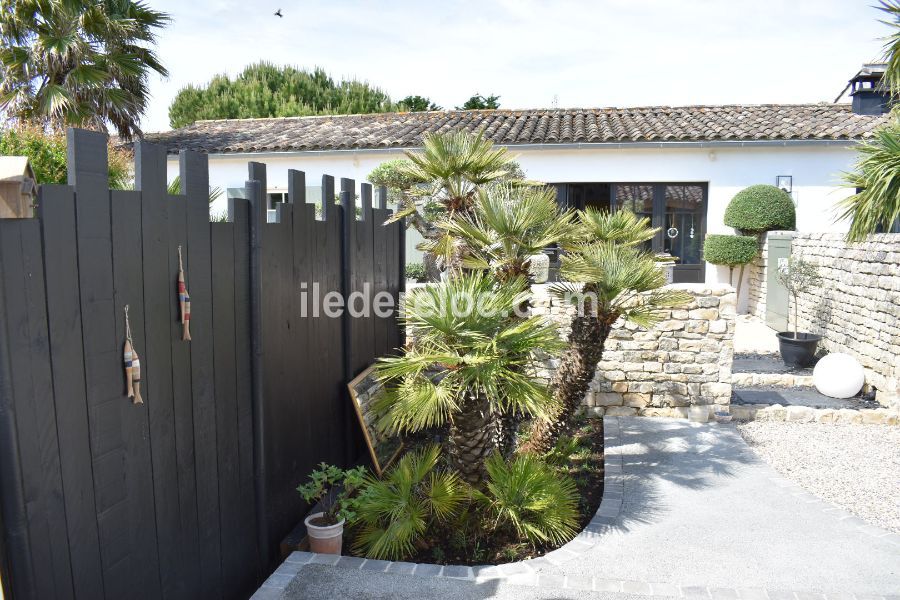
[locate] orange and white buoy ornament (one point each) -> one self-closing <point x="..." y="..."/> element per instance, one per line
<point x="184" y="302"/>
<point x="132" y="365"/>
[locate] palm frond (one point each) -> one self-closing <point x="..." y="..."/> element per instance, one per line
<point x="877" y="177"/>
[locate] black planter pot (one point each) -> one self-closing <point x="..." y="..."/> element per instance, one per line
<point x="800" y="352"/>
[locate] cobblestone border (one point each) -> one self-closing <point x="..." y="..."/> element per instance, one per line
<point x="529" y="573"/>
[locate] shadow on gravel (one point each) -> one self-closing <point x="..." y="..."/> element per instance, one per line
<point x="689" y="455"/>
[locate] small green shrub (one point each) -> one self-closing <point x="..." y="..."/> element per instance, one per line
<point x="337" y="491"/>
<point x="531" y="497"/>
<point x="760" y="208"/>
<point x="397" y="510"/>
<point x="798" y="277"/>
<point x="46" y="151"/>
<point x="416" y="271"/>
<point x="730" y="250"/>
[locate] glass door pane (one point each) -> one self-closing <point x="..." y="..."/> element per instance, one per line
<point x="636" y="198"/>
<point x="683" y="223"/>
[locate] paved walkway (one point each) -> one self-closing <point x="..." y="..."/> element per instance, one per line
<point x="700" y="509"/>
<point x="690" y="512"/>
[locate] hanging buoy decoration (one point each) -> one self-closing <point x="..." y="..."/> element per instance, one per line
<point x="672" y="232"/>
<point x="184" y="302"/>
<point x="132" y="364"/>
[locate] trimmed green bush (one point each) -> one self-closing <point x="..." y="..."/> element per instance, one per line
<point x="416" y="271"/>
<point x="730" y="250"/>
<point x="760" y="208"/>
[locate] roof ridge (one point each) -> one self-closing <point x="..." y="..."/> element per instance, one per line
<point x="501" y="111"/>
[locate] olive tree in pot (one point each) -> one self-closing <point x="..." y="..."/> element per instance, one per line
<point x="798" y="349"/>
<point x="336" y="493"/>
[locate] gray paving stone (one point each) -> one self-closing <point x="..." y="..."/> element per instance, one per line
<point x="459" y="572"/>
<point x="554" y="582"/>
<point x="487" y="572"/>
<point x="375" y="565"/>
<point x="326" y="559"/>
<point x="780" y="595"/>
<point x="694" y="591"/>
<point x="723" y="593"/>
<point x="299" y="557"/>
<point x="607" y="585"/>
<point x="752" y="594"/>
<point x="637" y="587"/>
<point x="579" y="582"/>
<point x="664" y="589"/>
<point x="350" y="562"/>
<point x="401" y="568"/>
<point x="810" y="596"/>
<point x="425" y="569"/>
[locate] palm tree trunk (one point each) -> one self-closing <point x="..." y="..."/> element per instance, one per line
<point x="472" y="439"/>
<point x="570" y="383"/>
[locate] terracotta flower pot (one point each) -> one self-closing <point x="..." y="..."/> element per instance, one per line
<point x="324" y="539"/>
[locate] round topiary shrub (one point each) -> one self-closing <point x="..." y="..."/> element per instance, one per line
<point x="731" y="250"/>
<point x="760" y="208"/>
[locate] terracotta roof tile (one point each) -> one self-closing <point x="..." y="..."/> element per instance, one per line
<point x="538" y="126"/>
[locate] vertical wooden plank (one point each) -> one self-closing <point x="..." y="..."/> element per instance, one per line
<point x="255" y="193"/>
<point x="239" y="210"/>
<point x="195" y="186"/>
<point x="327" y="200"/>
<point x="150" y="168"/>
<point x="56" y="207"/>
<point x="35" y="417"/>
<point x="142" y="567"/>
<point x="182" y="397"/>
<point x="87" y="166"/>
<point x="18" y="577"/>
<point x="230" y="516"/>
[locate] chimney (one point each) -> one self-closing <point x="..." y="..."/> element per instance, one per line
<point x="869" y="95"/>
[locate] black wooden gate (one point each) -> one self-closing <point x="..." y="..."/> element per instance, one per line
<point x="189" y="494"/>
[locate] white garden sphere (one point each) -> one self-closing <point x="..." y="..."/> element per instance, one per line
<point x="838" y="375"/>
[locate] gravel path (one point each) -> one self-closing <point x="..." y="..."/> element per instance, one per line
<point x="856" y="467"/>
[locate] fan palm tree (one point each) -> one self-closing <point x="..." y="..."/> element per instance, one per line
<point x="78" y="62"/>
<point x="876" y="206"/>
<point x="469" y="362"/>
<point x="451" y="166"/>
<point x="608" y="278"/>
<point x="509" y="223"/>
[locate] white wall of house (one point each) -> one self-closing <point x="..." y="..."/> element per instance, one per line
<point x="816" y="171"/>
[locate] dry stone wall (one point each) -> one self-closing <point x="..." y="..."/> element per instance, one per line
<point x="756" y="281"/>
<point x="857" y="308"/>
<point x="682" y="362"/>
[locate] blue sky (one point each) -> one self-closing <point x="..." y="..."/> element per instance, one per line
<point x="584" y="53"/>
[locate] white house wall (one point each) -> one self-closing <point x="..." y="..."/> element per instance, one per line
<point x="816" y="171"/>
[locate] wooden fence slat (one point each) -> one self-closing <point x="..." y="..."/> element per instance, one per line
<point x="157" y="368"/>
<point x="195" y="186"/>
<point x="181" y="396"/>
<point x="143" y="566"/>
<point x="239" y="211"/>
<point x="56" y="208"/>
<point x="223" y="290"/>
<point x="34" y="412"/>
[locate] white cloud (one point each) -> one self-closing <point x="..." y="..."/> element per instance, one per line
<point x="588" y="53"/>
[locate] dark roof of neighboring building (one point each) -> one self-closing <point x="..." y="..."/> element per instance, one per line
<point x="735" y="122"/>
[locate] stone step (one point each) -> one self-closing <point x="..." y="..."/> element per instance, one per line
<point x="805" y="405"/>
<point x="767" y="370"/>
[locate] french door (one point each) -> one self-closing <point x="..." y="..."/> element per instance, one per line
<point x="679" y="211"/>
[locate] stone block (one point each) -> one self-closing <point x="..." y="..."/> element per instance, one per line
<point x="672" y="325"/>
<point x="716" y="389"/>
<point x="709" y="314"/>
<point x="847" y="416"/>
<point x="607" y="399"/>
<point x="620" y="386"/>
<point x="800" y="414"/>
<point x="621" y="411"/>
<point x="636" y="400"/>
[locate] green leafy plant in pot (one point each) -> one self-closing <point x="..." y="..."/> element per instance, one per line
<point x="798" y="349"/>
<point x="336" y="492"/>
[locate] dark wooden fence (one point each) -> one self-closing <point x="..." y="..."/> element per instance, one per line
<point x="189" y="494"/>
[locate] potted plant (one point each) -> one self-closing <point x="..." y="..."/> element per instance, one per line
<point x="732" y="251"/>
<point x="798" y="349"/>
<point x="335" y="492"/>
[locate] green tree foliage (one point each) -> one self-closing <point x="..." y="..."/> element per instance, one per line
<point x="731" y="250"/>
<point x="798" y="277"/>
<point x="892" y="43"/>
<point x="479" y="102"/>
<point x="47" y="153"/>
<point x="417" y="104"/>
<point x="760" y="208"/>
<point x="78" y="62"/>
<point x="267" y="90"/>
